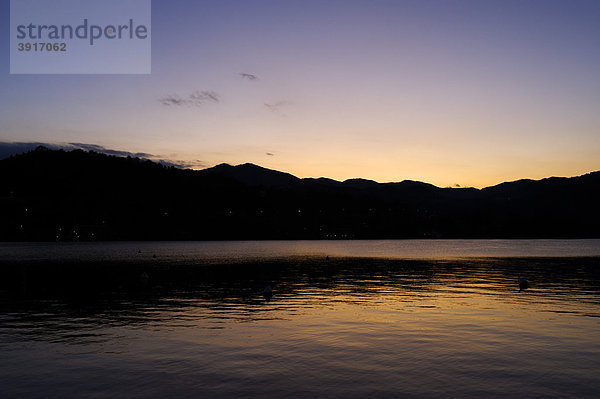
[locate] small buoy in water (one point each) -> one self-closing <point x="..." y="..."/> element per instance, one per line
<point x="154" y="256"/>
<point x="523" y="284"/>
<point x="139" y="251"/>
<point x="144" y="279"/>
<point x="327" y="258"/>
<point x="268" y="292"/>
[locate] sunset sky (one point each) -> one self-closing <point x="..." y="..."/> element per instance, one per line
<point x="447" y="92"/>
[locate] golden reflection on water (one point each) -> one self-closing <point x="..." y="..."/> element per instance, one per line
<point x="342" y="328"/>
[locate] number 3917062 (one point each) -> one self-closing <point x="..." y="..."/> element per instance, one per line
<point x="42" y="47"/>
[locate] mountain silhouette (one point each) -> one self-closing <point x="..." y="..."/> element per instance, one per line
<point x="49" y="195"/>
<point x="253" y="175"/>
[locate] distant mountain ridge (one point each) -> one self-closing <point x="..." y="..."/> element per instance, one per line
<point x="251" y="174"/>
<point x="78" y="195"/>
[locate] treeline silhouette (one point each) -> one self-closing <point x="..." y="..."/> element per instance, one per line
<point x="49" y="195"/>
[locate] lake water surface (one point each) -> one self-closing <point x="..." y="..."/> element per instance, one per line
<point x="234" y="251"/>
<point x="435" y="318"/>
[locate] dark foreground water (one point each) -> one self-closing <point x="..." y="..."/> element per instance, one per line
<point x="106" y="320"/>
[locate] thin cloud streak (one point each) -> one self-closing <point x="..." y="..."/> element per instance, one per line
<point x="195" y="99"/>
<point x="195" y="164"/>
<point x="248" y="76"/>
<point x="107" y="151"/>
<point x="277" y="106"/>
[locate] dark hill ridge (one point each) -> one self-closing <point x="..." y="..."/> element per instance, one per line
<point x="77" y="195"/>
<point x="252" y="175"/>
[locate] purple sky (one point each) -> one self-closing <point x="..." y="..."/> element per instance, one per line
<point x="467" y="92"/>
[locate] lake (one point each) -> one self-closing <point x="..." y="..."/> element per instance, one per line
<point x="351" y="319"/>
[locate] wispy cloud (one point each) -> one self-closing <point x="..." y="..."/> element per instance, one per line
<point x="107" y="151"/>
<point x="248" y="76"/>
<point x="277" y="106"/>
<point x="200" y="97"/>
<point x="172" y="100"/>
<point x="195" y="99"/>
<point x="194" y="164"/>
